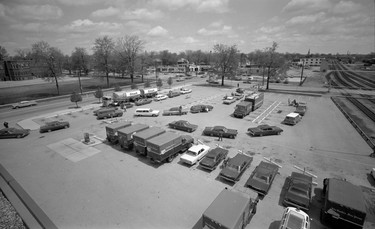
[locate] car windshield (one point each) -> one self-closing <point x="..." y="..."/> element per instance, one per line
<point x="192" y="153"/>
<point x="234" y="167"/>
<point x="211" y="157"/>
<point x="261" y="178"/>
<point x="298" y="191"/>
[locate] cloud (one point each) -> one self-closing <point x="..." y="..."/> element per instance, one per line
<point x="158" y="31"/>
<point x="79" y="2"/>
<point x="36" y="12"/>
<point x="110" y="11"/>
<point x="142" y="13"/>
<point x="306" y="6"/>
<point x="345" y="7"/>
<point x="271" y="29"/>
<point x="86" y="25"/>
<point x="225" y="30"/>
<point x="306" y="19"/>
<point x="219" y="6"/>
<point x="188" y="40"/>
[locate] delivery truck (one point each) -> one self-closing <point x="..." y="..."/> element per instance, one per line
<point x="167" y="146"/>
<point x="111" y="130"/>
<point x="125" y="135"/>
<point x="343" y="204"/>
<point x="231" y="209"/>
<point x="249" y="104"/>
<point x="141" y="138"/>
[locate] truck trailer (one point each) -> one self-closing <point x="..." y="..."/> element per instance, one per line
<point x="343" y="204"/>
<point x="141" y="138"/>
<point x="231" y="209"/>
<point x="126" y="96"/>
<point x="111" y="130"/>
<point x="249" y="104"/>
<point x="167" y="146"/>
<point x="125" y="135"/>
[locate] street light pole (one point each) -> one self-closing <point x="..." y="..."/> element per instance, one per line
<point x="303" y="66"/>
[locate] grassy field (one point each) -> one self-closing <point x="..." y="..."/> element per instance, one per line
<point x="45" y="90"/>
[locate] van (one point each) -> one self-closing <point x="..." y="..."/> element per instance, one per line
<point x="294" y="218"/>
<point x="146" y="112"/>
<point x="109" y="113"/>
<point x="292" y="119"/>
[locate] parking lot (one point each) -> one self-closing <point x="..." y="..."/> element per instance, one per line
<point x="113" y="188"/>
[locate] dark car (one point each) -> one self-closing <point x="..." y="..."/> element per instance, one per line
<point x="201" y="108"/>
<point x="104" y="109"/>
<point x="300" y="110"/>
<point x="235" y="167"/>
<point x="183" y="125"/>
<point x="213" y="158"/>
<point x="220" y="131"/>
<point x="143" y="102"/>
<point x="262" y="177"/>
<point x="299" y="189"/>
<point x="54" y="125"/>
<point x="14" y="133"/>
<point x="263" y="130"/>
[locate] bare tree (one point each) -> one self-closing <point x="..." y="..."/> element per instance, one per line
<point x="272" y="61"/>
<point x="103" y="49"/>
<point x="80" y="61"/>
<point x="127" y="49"/>
<point x="3" y="53"/>
<point x="226" y="59"/>
<point x="22" y="53"/>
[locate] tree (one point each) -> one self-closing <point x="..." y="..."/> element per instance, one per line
<point x="159" y="83"/>
<point x="170" y="82"/>
<point x="226" y="59"/>
<point x="127" y="49"/>
<point x="99" y="93"/>
<point x="22" y="53"/>
<point x="3" y="53"/>
<point x="79" y="62"/>
<point x="117" y="87"/>
<point x="272" y="60"/>
<point x="75" y="98"/>
<point x="134" y="86"/>
<point x="103" y="48"/>
<point x="50" y="57"/>
<point x="147" y="84"/>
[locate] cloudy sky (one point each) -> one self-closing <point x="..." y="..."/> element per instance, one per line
<point x="323" y="26"/>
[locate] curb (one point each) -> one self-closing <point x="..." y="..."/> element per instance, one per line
<point x="32" y="215"/>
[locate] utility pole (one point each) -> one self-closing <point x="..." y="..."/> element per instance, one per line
<point x="303" y="66"/>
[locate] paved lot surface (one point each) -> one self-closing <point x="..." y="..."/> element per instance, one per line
<point x="118" y="189"/>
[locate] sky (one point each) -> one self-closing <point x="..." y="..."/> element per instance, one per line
<point x="321" y="26"/>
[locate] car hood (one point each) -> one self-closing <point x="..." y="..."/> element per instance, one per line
<point x="258" y="185"/>
<point x="207" y="162"/>
<point x="227" y="172"/>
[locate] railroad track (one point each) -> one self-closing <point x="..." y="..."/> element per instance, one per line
<point x="369" y="113"/>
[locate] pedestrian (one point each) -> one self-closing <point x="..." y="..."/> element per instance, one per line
<point x="238" y="84"/>
<point x="6" y="125"/>
<point x="220" y="137"/>
<point x="180" y="110"/>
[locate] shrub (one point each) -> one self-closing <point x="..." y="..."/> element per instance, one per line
<point x="134" y="86"/>
<point x="286" y="81"/>
<point x="117" y="88"/>
<point x="147" y="84"/>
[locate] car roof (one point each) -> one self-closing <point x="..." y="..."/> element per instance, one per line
<point x="217" y="151"/>
<point x="295" y="219"/>
<point x="293" y="115"/>
<point x="196" y="148"/>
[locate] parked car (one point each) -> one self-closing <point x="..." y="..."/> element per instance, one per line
<point x="54" y="125"/>
<point x="24" y="104"/>
<point x="292" y="119"/>
<point x="240" y="90"/>
<point x="185" y="90"/>
<point x="109" y="114"/>
<point x="220" y="131"/>
<point x="294" y="218"/>
<point x="104" y="109"/>
<point x="201" y="108"/>
<point x="213" y="158"/>
<point x="301" y="110"/>
<point x="298" y="191"/>
<point x="229" y="100"/>
<point x="175" y="111"/>
<point x="146" y="112"/>
<point x="160" y="97"/>
<point x="183" y="125"/>
<point x="262" y="177"/>
<point x="235" y="167"/>
<point x="141" y="102"/>
<point x="14" y="133"/>
<point x="194" y="154"/>
<point x="263" y="130"/>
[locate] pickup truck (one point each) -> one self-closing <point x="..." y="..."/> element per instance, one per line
<point x="176" y="111"/>
<point x="167" y="146"/>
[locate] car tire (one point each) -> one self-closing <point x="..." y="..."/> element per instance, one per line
<point x="18" y="136"/>
<point x="278" y="133"/>
<point x="66" y="127"/>
<point x="170" y="159"/>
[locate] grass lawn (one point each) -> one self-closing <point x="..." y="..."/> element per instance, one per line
<point x="39" y="91"/>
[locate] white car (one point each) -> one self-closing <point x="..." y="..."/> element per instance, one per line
<point x="229" y="100"/>
<point x="24" y="104"/>
<point x="294" y="218"/>
<point x="194" y="154"/>
<point x="185" y="91"/>
<point x="160" y="97"/>
<point x="146" y="112"/>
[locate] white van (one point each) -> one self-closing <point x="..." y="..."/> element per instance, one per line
<point x="146" y="112"/>
<point x="292" y="119"/>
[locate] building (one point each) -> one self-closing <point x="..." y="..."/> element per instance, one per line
<point x="312" y="61"/>
<point x="15" y="70"/>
